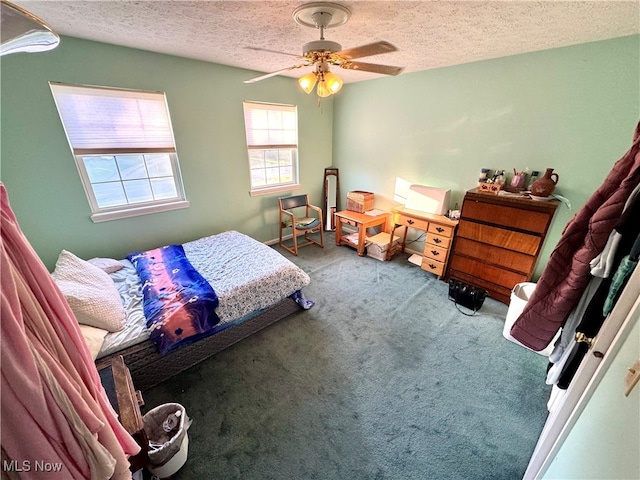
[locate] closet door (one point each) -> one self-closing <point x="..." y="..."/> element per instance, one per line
<point x="587" y="381"/>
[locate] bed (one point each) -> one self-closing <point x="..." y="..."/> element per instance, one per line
<point x="254" y="286"/>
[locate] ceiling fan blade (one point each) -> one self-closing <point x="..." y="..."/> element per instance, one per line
<point x="372" y="67"/>
<point x="366" y="50"/>
<point x="273" y="74"/>
<point x="258" y="49"/>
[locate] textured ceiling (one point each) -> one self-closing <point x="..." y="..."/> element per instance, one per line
<point x="428" y="34"/>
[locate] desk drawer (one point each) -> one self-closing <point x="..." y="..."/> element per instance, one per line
<point x="442" y="230"/>
<point x="439" y="240"/>
<point x="433" y="266"/>
<point x="435" y="253"/>
<point x="411" y="222"/>
<point x="348" y="222"/>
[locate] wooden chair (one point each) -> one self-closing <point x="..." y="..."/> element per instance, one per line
<point x="291" y="210"/>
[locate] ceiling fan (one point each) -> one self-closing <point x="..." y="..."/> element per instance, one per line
<point x="322" y="53"/>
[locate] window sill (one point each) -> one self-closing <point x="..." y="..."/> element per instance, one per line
<point x="275" y="189"/>
<point x="134" y="212"/>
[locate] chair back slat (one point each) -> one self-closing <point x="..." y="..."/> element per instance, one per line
<point x="293" y="201"/>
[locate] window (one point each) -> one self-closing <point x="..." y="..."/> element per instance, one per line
<point x="272" y="143"/>
<point x="124" y="149"/>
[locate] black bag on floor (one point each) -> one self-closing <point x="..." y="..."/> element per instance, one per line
<point x="466" y="295"/>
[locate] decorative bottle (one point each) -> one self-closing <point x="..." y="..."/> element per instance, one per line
<point x="172" y="421"/>
<point x="544" y="186"/>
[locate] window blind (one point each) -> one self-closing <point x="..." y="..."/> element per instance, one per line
<point x="271" y="125"/>
<point x="104" y="120"/>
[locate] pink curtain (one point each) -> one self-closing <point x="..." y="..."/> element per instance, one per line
<point x="55" y="414"/>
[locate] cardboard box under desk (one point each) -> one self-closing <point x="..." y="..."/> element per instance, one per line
<point x="378" y="245"/>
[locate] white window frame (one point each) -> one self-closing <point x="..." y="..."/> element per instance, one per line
<point x="268" y="137"/>
<point x="147" y="133"/>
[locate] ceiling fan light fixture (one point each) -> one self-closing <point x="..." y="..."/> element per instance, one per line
<point x="323" y="90"/>
<point x="333" y="82"/>
<point x="308" y="81"/>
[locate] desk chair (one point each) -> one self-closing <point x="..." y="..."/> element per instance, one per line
<point x="291" y="209"/>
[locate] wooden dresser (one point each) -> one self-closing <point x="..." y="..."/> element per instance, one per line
<point x="439" y="236"/>
<point x="498" y="241"/>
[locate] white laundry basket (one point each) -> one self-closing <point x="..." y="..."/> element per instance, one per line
<point x="519" y="297"/>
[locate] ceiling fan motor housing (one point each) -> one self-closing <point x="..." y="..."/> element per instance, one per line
<point x="321" y="46"/>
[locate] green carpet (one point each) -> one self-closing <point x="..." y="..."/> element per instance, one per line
<point x="382" y="379"/>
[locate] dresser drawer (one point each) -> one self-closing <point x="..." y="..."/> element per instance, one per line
<point x="433" y="266"/>
<point x="512" y="217"/>
<point x="444" y="242"/>
<point x="442" y="230"/>
<point x="411" y="222"/>
<point x="517" y="261"/>
<point x="435" y="253"/>
<point x="500" y="237"/>
<point x="496" y="275"/>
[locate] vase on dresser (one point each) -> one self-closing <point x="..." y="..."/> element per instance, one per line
<point x="545" y="185"/>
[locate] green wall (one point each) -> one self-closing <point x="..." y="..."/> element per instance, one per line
<point x="205" y="102"/>
<point x="573" y="109"/>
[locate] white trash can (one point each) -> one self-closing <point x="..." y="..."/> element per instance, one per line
<point x="520" y="295"/>
<point x="166" y="428"/>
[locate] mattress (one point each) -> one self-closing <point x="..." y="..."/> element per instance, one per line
<point x="248" y="276"/>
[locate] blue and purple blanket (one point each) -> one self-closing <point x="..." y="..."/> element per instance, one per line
<point x="178" y="302"/>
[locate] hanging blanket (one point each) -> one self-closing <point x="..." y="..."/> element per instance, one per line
<point x="178" y="302"/>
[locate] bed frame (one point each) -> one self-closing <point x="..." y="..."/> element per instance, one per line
<point x="148" y="368"/>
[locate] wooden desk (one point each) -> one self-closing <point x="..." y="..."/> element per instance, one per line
<point x="440" y="231"/>
<point x="361" y="221"/>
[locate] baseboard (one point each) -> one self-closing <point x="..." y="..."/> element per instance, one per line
<point x="289" y="237"/>
<point x="275" y="241"/>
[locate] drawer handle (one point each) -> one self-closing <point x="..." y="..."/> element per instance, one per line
<point x="439" y="229"/>
<point x="437" y="240"/>
<point x="432" y="266"/>
<point x="435" y="252"/>
<point x="410" y="222"/>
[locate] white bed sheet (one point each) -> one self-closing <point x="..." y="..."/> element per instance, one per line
<point x="247" y="276"/>
<point x="135" y="331"/>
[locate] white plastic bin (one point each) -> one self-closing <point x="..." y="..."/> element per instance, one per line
<point x="519" y="297"/>
<point x="175" y="463"/>
<point x="169" y="441"/>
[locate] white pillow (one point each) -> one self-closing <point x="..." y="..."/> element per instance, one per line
<point x="92" y="295"/>
<point x="109" y="265"/>
<point x="94" y="338"/>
